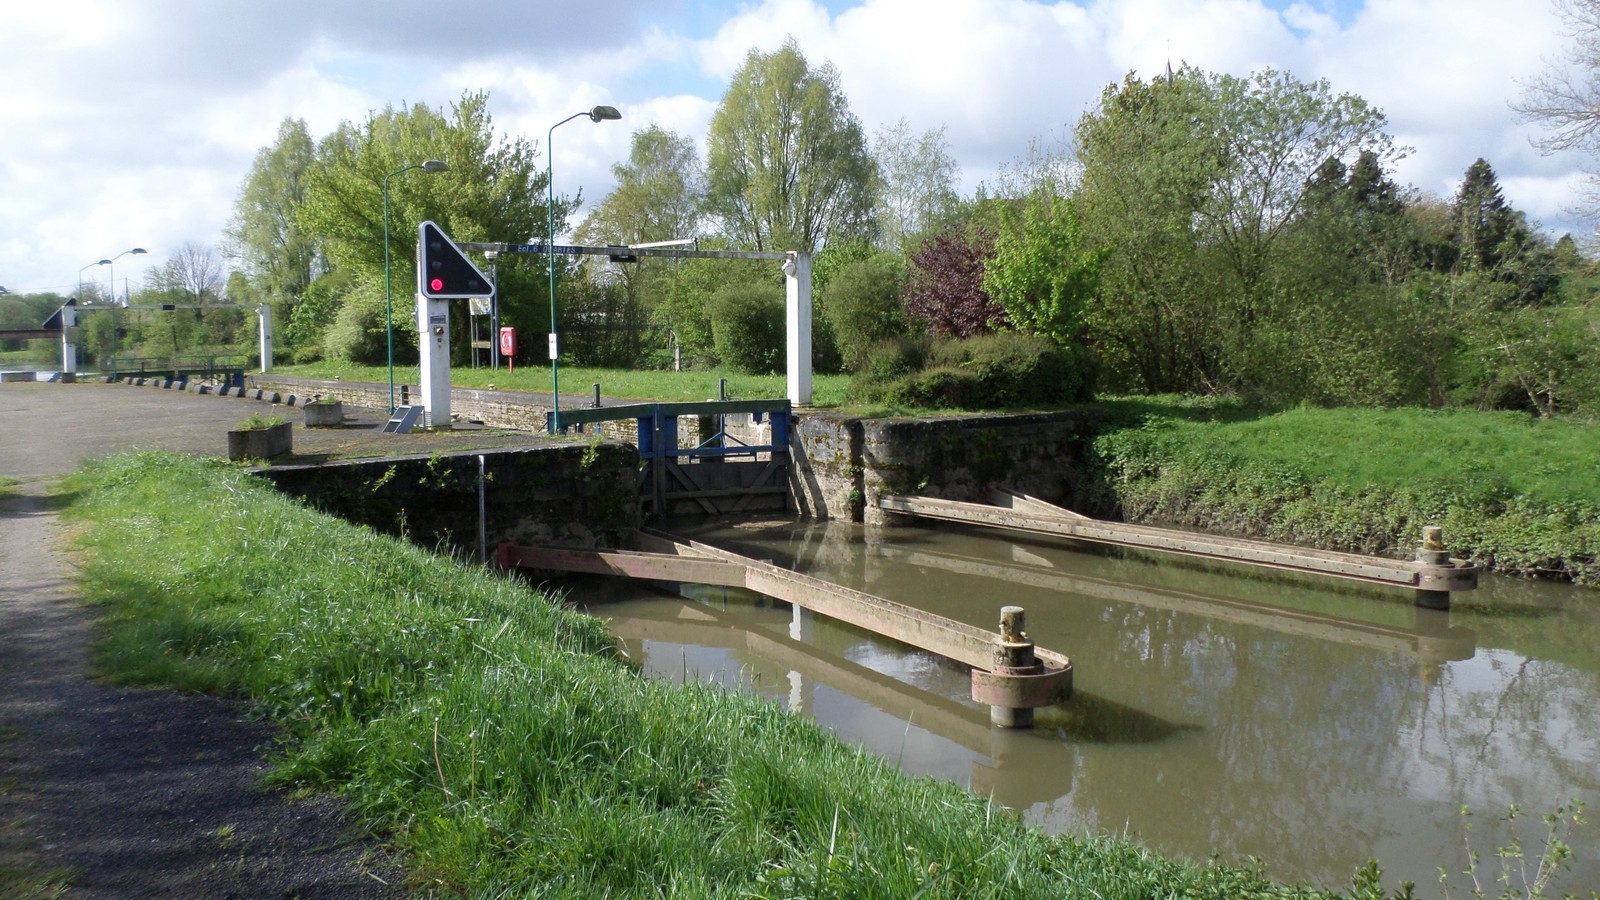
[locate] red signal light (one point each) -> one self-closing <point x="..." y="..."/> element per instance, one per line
<point x="437" y="284"/>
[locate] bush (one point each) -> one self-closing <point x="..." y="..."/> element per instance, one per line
<point x="359" y="332"/>
<point x="863" y="304"/>
<point x="987" y="372"/>
<point x="747" y="328"/>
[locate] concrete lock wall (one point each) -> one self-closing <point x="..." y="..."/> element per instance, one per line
<point x="843" y="465"/>
<point x="568" y="494"/>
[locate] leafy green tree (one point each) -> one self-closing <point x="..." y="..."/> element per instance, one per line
<point x="1193" y="180"/>
<point x="684" y="311"/>
<point x="916" y="188"/>
<point x="1148" y="158"/>
<point x="788" y="167"/>
<point x="494" y="191"/>
<point x="748" y="328"/>
<point x="265" y="234"/>
<point x="193" y="276"/>
<point x="1042" y="272"/>
<point x="660" y="195"/>
<point x="1483" y="220"/>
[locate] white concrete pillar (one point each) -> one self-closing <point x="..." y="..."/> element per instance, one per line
<point x="69" y="340"/>
<point x="797" y="280"/>
<point x="433" y="340"/>
<point x="264" y="318"/>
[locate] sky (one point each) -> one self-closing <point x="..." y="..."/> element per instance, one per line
<point x="133" y="123"/>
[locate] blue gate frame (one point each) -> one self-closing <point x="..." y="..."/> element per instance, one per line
<point x="666" y="480"/>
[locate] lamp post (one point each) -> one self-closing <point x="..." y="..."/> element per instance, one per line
<point x="112" y="274"/>
<point x="432" y="165"/>
<point x="598" y="114"/>
<point x="103" y="262"/>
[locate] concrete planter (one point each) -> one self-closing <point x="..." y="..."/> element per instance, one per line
<point x="261" y="443"/>
<point x="325" y="414"/>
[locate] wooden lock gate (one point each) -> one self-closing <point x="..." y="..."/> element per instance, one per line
<point x="1009" y="674"/>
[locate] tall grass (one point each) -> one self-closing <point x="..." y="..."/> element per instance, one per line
<point x="502" y="744"/>
<point x="1519" y="494"/>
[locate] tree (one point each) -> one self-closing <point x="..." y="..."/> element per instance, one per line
<point x="1042" y="271"/>
<point x="1192" y="180"/>
<point x="788" y="167"/>
<point x="1483" y="221"/>
<point x="493" y="191"/>
<point x="659" y="195"/>
<point x="192" y="275"/>
<point x="279" y="258"/>
<point x="944" y="283"/>
<point x="1566" y="97"/>
<point x="862" y="303"/>
<point x="1147" y="159"/>
<point x="1275" y="131"/>
<point x="916" y="184"/>
<point x="1494" y="239"/>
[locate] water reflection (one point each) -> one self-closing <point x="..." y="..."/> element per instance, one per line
<point x="1214" y="711"/>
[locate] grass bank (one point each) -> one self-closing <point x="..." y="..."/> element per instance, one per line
<point x="501" y="743"/>
<point x="1518" y="494"/>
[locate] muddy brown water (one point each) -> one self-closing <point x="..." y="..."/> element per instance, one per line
<point x="1301" y="723"/>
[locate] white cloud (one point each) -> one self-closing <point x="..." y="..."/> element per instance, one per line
<point x="140" y="118"/>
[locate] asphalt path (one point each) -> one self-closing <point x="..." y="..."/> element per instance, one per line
<point x="109" y="791"/>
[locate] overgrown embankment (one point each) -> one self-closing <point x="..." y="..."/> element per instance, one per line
<point x="1519" y="495"/>
<point x="500" y="742"/>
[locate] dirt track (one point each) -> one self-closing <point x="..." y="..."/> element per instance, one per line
<point x="125" y="792"/>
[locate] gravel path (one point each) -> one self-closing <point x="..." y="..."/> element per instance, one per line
<point x="124" y="792"/>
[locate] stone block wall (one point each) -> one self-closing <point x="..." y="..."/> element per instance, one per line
<point x="567" y="494"/>
<point x="843" y="465"/>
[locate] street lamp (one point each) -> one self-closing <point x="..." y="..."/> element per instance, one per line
<point x="598" y="114"/>
<point x="103" y="262"/>
<point x="112" y="272"/>
<point x="432" y="165"/>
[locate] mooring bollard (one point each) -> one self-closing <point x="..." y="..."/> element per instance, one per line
<point x="1014" y="656"/>
<point x="1020" y="682"/>
<point x="1440" y="575"/>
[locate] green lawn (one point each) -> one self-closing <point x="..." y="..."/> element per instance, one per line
<point x="827" y="390"/>
<point x="1518" y="493"/>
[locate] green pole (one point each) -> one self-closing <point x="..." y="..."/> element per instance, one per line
<point x="598" y="114"/>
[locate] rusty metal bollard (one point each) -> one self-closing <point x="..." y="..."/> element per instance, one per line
<point x="1438" y="575"/>
<point x="1019" y="683"/>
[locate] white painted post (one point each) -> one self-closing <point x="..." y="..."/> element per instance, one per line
<point x="433" y="327"/>
<point x="264" y="318"/>
<point x="797" y="272"/>
<point x="69" y="337"/>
